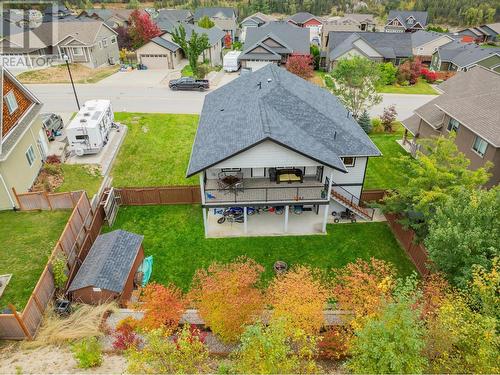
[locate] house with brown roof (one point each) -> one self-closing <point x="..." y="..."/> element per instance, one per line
<point x="23" y="143"/>
<point x="468" y="107"/>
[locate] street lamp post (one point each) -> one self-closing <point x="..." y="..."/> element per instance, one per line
<point x="66" y="58"/>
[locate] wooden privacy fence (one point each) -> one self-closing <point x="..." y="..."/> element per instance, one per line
<point x="82" y="228"/>
<point x="159" y="195"/>
<point x="406" y="237"/>
<point x="372" y="195"/>
<point x="41" y="200"/>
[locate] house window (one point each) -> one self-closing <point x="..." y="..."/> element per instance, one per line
<point x="113" y="39"/>
<point x="30" y="155"/>
<point x="231" y="169"/>
<point x="105" y="42"/>
<point x="453" y="125"/>
<point x="10" y="100"/>
<point x="349" y="161"/>
<point x="77" y="51"/>
<point x="480" y="145"/>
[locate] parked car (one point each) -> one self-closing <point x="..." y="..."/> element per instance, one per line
<point x="52" y="123"/>
<point x="188" y="83"/>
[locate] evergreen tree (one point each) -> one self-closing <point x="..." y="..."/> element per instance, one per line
<point x="365" y="122"/>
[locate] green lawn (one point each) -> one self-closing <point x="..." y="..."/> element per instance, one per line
<point x="156" y="150"/>
<point x="382" y="172"/>
<point x="79" y="177"/>
<point x="421" y="87"/>
<point x="174" y="236"/>
<point x="27" y="240"/>
<point x="187" y="71"/>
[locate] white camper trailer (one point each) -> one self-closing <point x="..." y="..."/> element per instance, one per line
<point x="231" y="62"/>
<point x="89" y="130"/>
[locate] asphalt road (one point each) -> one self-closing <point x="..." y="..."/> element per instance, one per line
<point x="147" y="93"/>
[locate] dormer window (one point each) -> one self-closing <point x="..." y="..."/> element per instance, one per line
<point x="10" y="100"/>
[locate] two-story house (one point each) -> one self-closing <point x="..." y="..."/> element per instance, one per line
<point x="255" y="20"/>
<point x="224" y="18"/>
<point x="403" y="21"/>
<point x="309" y="21"/>
<point x="469" y="108"/>
<point x="425" y="43"/>
<point x="292" y="150"/>
<point x="23" y="143"/>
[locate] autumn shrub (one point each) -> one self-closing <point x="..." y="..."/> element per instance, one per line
<point x="301" y="65"/>
<point x="124" y="336"/>
<point x="377" y="126"/>
<point x="484" y="287"/>
<point x="273" y="349"/>
<point x="163" y="307"/>
<point x="429" y="75"/>
<point x="335" y="341"/>
<point x="300" y="297"/>
<point x="186" y="354"/>
<point x="434" y="291"/>
<point x="388" y="117"/>
<point x="87" y="352"/>
<point x="227" y="296"/>
<point x="363" y="287"/>
<point x="409" y="71"/>
<point x="53" y="159"/>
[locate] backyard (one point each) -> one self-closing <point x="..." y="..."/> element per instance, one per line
<point x="80" y="177"/>
<point x="157" y="148"/>
<point x="174" y="236"/>
<point x="27" y="240"/>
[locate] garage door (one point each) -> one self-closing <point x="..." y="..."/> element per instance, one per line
<point x="155" y="61"/>
<point x="256" y="65"/>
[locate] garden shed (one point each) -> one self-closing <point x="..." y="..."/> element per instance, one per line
<point x="110" y="270"/>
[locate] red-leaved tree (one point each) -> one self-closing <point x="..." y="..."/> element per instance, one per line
<point x="142" y="28"/>
<point x="410" y="71"/>
<point x="163" y="307"/>
<point x="301" y="65"/>
<point x="227" y="40"/>
<point x="227" y="296"/>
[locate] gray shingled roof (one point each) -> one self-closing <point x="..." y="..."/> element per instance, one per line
<point x="402" y="16"/>
<point x="302" y="17"/>
<point x="296" y="39"/>
<point x="214" y="34"/>
<point x="109" y="262"/>
<point x="171" y="46"/>
<point x="176" y="15"/>
<point x="390" y="45"/>
<point x="421" y="37"/>
<point x="214" y="12"/>
<point x="287" y="110"/>
<point x="472" y="98"/>
<point x="464" y="54"/>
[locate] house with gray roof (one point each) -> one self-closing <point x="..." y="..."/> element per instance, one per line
<point x="480" y="34"/>
<point x="225" y="18"/>
<point x="273" y="43"/>
<point x="108" y="272"/>
<point x="310" y="22"/>
<point x="425" y="43"/>
<point x="112" y="17"/>
<point x="376" y="46"/>
<point x="404" y="21"/>
<point x="292" y="146"/>
<point x="163" y="53"/>
<point x="468" y="107"/>
<point x="255" y="20"/>
<point x="458" y="56"/>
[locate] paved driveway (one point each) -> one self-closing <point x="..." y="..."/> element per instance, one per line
<point x="405" y="104"/>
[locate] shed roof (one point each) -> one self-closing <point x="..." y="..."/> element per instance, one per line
<point x="280" y="107"/>
<point x="109" y="262"/>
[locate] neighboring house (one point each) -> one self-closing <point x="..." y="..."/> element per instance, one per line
<point x="480" y="34"/>
<point x="23" y="143"/>
<point x="255" y="20"/>
<point x="110" y="270"/>
<point x="468" y="107"/>
<point x="176" y="15"/>
<point x="457" y="56"/>
<point x="224" y="18"/>
<point x="292" y="145"/>
<point x="163" y="53"/>
<point x="376" y="46"/>
<point x="401" y="21"/>
<point x="308" y="21"/>
<point x="112" y="17"/>
<point x="273" y="43"/>
<point x="56" y="12"/>
<point x="363" y="21"/>
<point x="85" y="41"/>
<point x="330" y="26"/>
<point x="425" y="43"/>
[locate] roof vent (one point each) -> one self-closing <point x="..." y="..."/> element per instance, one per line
<point x="222" y="109"/>
<point x="335" y="135"/>
<point x="269" y="80"/>
<point x="86" y="114"/>
<point x="260" y="85"/>
<point x="83" y="120"/>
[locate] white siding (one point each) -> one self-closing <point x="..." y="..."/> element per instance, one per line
<point x="267" y="154"/>
<point x="429" y="48"/>
<point x="366" y="48"/>
<point x="355" y="174"/>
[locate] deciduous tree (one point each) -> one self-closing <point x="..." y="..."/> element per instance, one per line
<point x="227" y="296"/>
<point x="192" y="46"/>
<point x="206" y="22"/>
<point x="300" y="65"/>
<point x="300" y="296"/>
<point x="142" y="28"/>
<point x="388" y="117"/>
<point x="354" y="84"/>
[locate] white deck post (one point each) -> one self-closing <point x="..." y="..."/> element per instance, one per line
<point x="202" y="187"/>
<point x="325" y="217"/>
<point x="245" y="220"/>
<point x="205" y="221"/>
<point x="286" y="218"/>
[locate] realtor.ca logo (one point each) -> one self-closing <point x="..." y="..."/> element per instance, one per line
<point x="28" y="34"/>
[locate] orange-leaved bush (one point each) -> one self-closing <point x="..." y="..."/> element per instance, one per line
<point x="300" y="297"/>
<point x="435" y="290"/>
<point x="364" y="287"/>
<point x="163" y="307"/>
<point x="227" y="296"/>
<point x="335" y="342"/>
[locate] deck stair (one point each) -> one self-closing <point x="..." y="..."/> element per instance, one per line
<point x="351" y="202"/>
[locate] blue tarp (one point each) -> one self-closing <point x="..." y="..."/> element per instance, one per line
<point x="146" y="268"/>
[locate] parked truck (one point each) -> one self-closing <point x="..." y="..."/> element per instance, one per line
<point x="231" y="62"/>
<point x="188" y="83"/>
